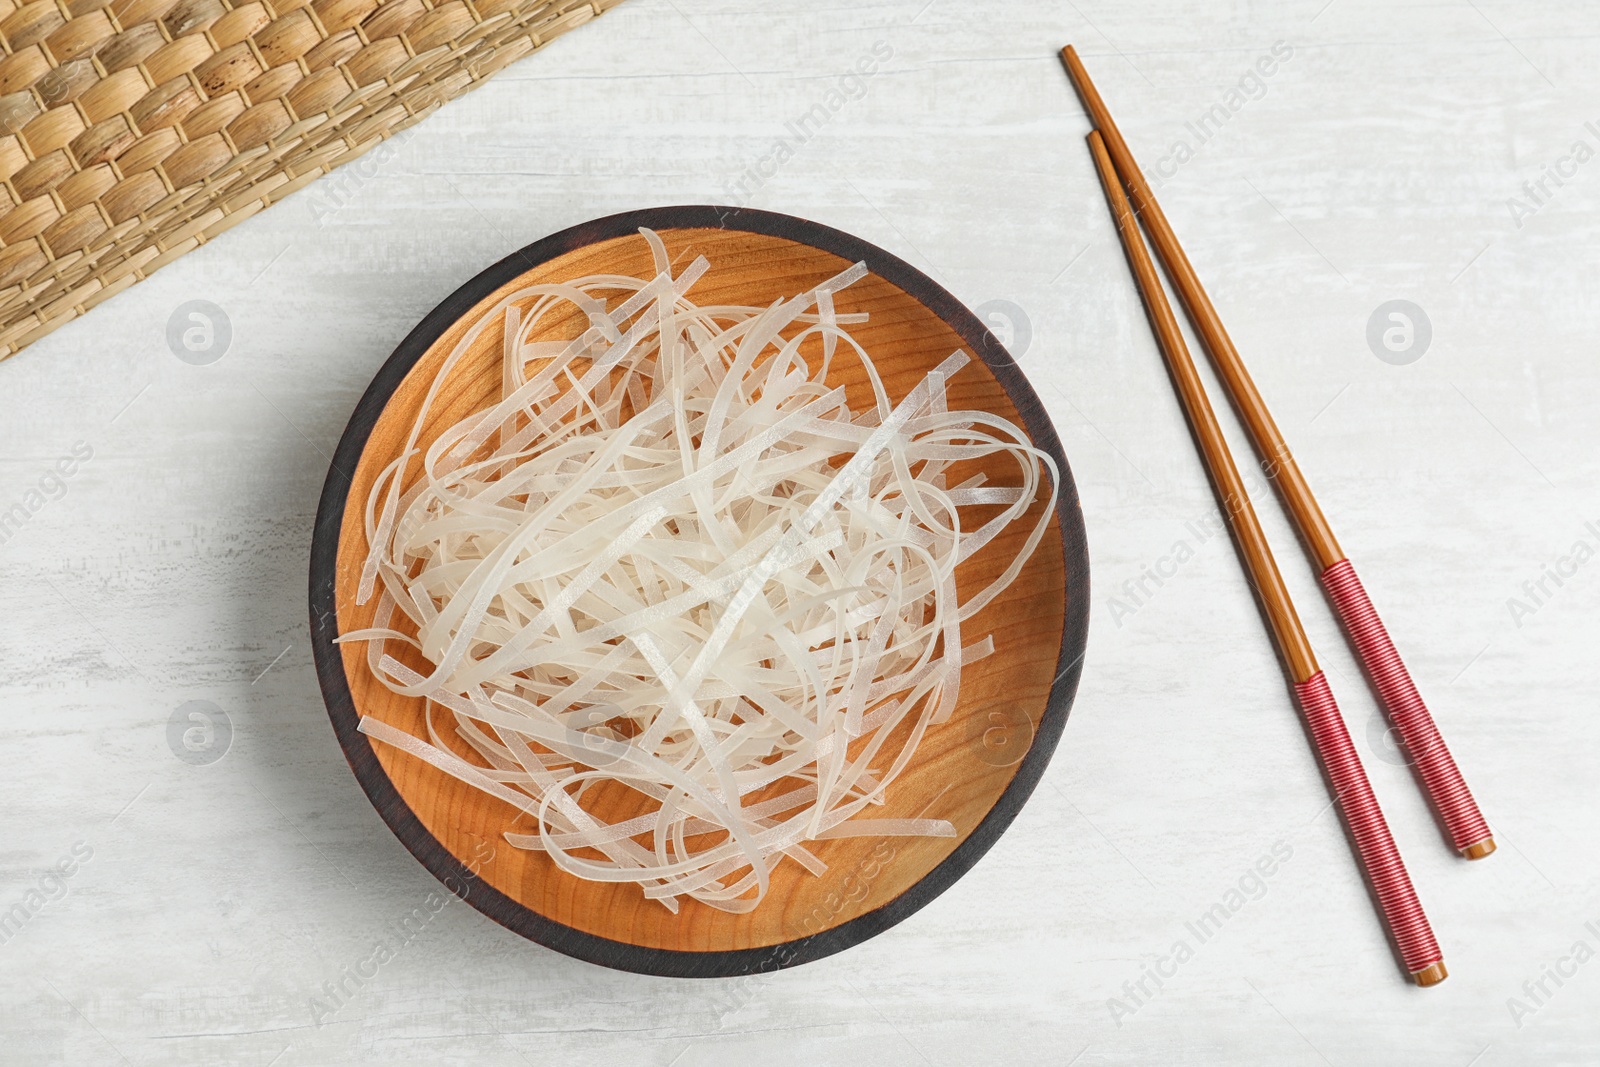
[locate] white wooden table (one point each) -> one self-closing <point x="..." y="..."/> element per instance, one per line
<point x="209" y="908"/>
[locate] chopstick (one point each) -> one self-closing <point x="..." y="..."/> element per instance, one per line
<point x="1375" y="848"/>
<point x="1441" y="780"/>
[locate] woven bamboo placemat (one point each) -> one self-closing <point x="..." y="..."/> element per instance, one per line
<point x="132" y="131"/>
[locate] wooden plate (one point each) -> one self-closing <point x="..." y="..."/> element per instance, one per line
<point x="976" y="770"/>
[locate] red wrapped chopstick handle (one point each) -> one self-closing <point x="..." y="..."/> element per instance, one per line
<point x="1443" y="782"/>
<point x="1374" y="844"/>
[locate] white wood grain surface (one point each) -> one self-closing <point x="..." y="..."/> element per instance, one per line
<point x="218" y="902"/>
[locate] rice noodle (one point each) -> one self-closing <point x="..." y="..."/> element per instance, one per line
<point x="672" y="560"/>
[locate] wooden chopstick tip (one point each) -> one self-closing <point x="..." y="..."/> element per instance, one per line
<point x="1104" y="167"/>
<point x="1116" y="197"/>
<point x="1075" y="72"/>
<point x="1480" y="849"/>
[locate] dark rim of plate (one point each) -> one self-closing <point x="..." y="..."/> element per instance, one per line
<point x="450" y="870"/>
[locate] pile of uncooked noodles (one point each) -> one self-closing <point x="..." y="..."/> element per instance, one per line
<point x="672" y="558"/>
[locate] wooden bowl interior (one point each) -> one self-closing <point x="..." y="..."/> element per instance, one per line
<point x="960" y="769"/>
